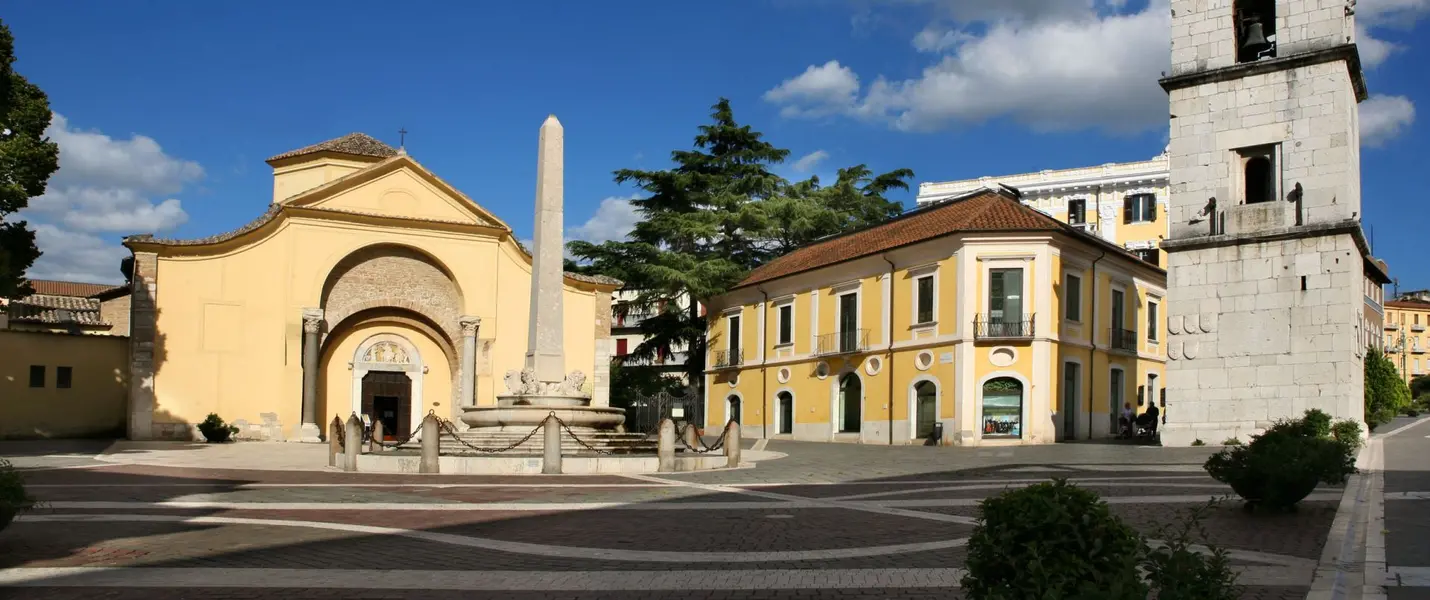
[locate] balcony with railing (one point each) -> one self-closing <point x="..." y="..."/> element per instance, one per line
<point x="727" y="359"/>
<point x="842" y="342"/>
<point x="1003" y="328"/>
<point x="1417" y="349"/>
<point x="1417" y="328"/>
<point x="1392" y="326"/>
<point x="632" y="319"/>
<point x="1122" y="340"/>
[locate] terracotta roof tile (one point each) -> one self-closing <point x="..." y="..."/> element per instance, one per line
<point x="984" y="210"/>
<point x="1409" y="304"/>
<point x="69" y="288"/>
<point x="57" y="310"/>
<point x="360" y="144"/>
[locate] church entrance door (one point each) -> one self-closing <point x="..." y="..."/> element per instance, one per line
<point x="387" y="397"/>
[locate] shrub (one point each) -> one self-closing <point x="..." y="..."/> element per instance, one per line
<point x="1385" y="392"/>
<point x="1179" y="572"/>
<point x="13" y="497"/>
<point x="1282" y="466"/>
<point x="1231" y="442"/>
<point x="215" y="430"/>
<point x="1198" y="442"/>
<point x="1318" y="422"/>
<point x="1052" y="540"/>
<point x="1348" y="433"/>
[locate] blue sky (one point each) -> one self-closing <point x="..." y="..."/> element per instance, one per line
<point x="168" y="109"/>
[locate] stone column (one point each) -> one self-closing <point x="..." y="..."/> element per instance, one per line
<point x="601" y="371"/>
<point x="312" y="326"/>
<point x="143" y="353"/>
<point x="468" y="364"/>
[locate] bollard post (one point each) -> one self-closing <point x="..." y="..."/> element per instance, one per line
<point x="431" y="440"/>
<point x="374" y="445"/>
<point x="335" y="433"/>
<point x="691" y="438"/>
<point x="666" y="450"/>
<point x="732" y="444"/>
<point x="352" y="442"/>
<point x="551" y="447"/>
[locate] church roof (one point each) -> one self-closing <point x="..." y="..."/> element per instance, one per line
<point x="51" y="287"/>
<point x="56" y="310"/>
<point x="359" y="144"/>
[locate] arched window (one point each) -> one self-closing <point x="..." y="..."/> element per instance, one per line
<point x="733" y="404"/>
<point x="1003" y="408"/>
<point x="925" y="408"/>
<point x="851" y="396"/>
<point x="1258" y="182"/>
<point x="784" y="405"/>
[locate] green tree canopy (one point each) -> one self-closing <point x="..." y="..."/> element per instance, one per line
<point x="716" y="213"/>
<point x="1385" y="391"/>
<point x="27" y="159"/>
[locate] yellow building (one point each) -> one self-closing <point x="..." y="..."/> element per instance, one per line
<point x="1406" y="340"/>
<point x="369" y="285"/>
<point x="978" y="314"/>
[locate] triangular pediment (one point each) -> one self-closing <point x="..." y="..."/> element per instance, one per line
<point x="397" y="187"/>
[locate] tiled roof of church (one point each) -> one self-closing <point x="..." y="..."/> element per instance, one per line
<point x="985" y="210"/>
<point x="68" y="288"/>
<point x="56" y="310"/>
<point x="360" y="144"/>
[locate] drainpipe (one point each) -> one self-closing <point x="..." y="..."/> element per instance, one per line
<point x="765" y="359"/>
<point x="889" y="327"/>
<point x="1092" y="352"/>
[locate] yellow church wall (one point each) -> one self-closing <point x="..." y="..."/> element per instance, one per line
<point x="335" y="376"/>
<point x="292" y="179"/>
<point x="229" y="315"/>
<point x="400" y="193"/>
<point x="93" y="405"/>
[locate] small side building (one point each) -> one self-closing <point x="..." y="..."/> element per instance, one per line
<point x="977" y="316"/>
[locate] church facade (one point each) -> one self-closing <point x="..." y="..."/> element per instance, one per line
<point x="369" y="285"/>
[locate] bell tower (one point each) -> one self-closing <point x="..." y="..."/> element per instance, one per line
<point x="1267" y="261"/>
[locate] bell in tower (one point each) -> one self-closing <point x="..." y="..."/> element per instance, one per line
<point x="1255" y="18"/>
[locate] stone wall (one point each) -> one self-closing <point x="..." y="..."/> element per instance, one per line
<point x="1262" y="331"/>
<point x="1203" y="36"/>
<point x="115" y="311"/>
<point x="1310" y="112"/>
<point x="143" y="332"/>
<point x="387" y="276"/>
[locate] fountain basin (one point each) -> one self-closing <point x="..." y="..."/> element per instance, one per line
<point x="523" y="417"/>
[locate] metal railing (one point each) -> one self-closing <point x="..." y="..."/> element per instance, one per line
<point x="842" y="342"/>
<point x="1122" y="339"/>
<point x="985" y="328"/>
<point x="1416" y="349"/>
<point x="1392" y="326"/>
<point x="724" y="359"/>
<point x="1417" y="328"/>
<point x="633" y="319"/>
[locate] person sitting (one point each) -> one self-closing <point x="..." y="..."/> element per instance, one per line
<point x="1147" y="422"/>
<point x="1124" y="423"/>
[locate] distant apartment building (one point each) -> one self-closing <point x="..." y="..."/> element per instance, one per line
<point x="627" y="316"/>
<point x="1123" y="203"/>
<point x="1406" y="341"/>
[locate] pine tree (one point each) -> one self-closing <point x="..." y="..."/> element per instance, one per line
<point x="27" y="159"/>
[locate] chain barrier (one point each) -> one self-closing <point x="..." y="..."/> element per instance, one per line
<point x="578" y="440"/>
<point x="395" y="445"/>
<point x="451" y="431"/>
<point x="719" y="443"/>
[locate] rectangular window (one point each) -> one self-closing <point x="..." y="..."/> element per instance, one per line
<point x="925" y="299"/>
<point x="1005" y="295"/>
<point x="786" y="324"/>
<point x="1077" y="211"/>
<point x="622" y="347"/>
<point x="1151" y="321"/>
<point x="1072" y="298"/>
<point x="734" y="338"/>
<point x="848" y="322"/>
<point x="62" y="377"/>
<point x="1118" y="311"/>
<point x="1151" y="256"/>
<point x="1139" y="208"/>
<point x="37" y="376"/>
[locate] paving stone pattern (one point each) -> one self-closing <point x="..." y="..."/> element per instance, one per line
<point x="810" y="521"/>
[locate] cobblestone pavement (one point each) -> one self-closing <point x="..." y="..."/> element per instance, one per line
<point x="838" y="521"/>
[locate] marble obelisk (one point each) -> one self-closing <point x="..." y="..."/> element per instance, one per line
<point x="544" y="356"/>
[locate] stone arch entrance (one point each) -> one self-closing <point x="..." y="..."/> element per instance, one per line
<point x="387" y="374"/>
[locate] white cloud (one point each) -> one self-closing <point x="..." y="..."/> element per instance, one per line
<point x="75" y="256"/>
<point x="818" y="91"/>
<point x="615" y="218"/>
<point x="103" y="185"/>
<point x="1382" y="118"/>
<point x="809" y="161"/>
<point x="1051" y="64"/>
<point x="1375" y="16"/>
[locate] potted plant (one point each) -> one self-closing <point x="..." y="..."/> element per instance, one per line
<point x="215" y="430"/>
<point x="1281" y="467"/>
<point x="13" y="497"/>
